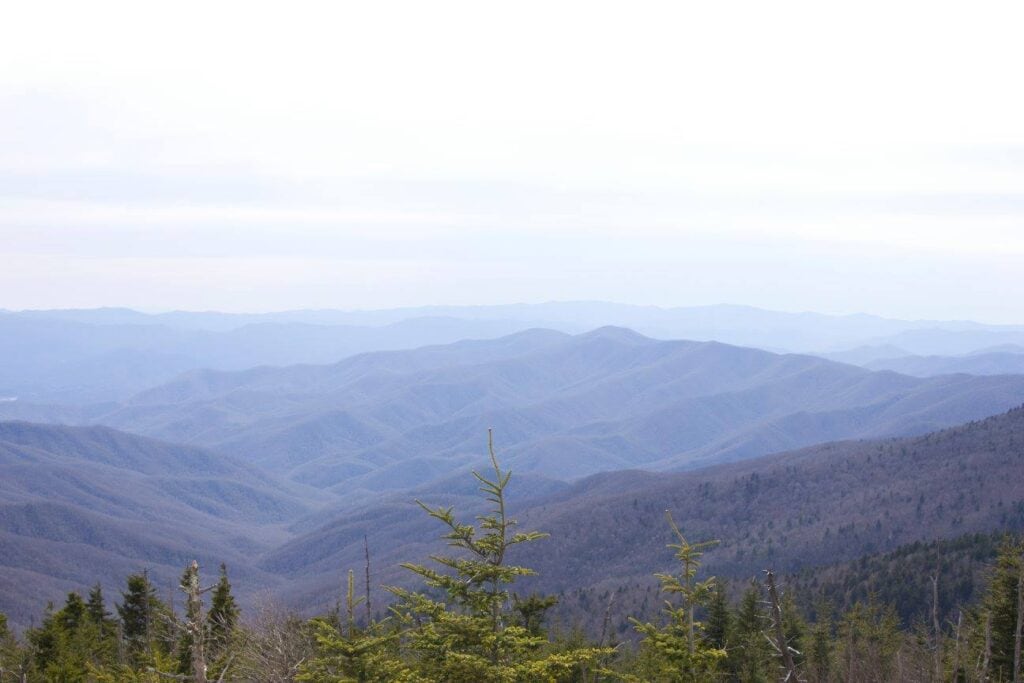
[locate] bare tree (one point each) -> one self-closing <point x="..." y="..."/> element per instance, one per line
<point x="778" y="638"/>
<point x="1020" y="623"/>
<point x="274" y="646"/>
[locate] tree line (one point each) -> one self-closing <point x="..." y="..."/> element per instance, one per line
<point x="467" y="624"/>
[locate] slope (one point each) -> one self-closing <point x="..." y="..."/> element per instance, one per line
<point x="563" y="407"/>
<point x="80" y="504"/>
<point x="817" y="506"/>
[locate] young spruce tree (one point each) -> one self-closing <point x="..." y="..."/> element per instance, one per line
<point x="473" y="635"/>
<point x="678" y="651"/>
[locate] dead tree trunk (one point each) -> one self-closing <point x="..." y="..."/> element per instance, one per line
<point x="1020" y="623"/>
<point x="366" y="552"/>
<point x="936" y="629"/>
<point x="987" y="655"/>
<point x="956" y="647"/>
<point x="195" y="624"/>
<point x="789" y="672"/>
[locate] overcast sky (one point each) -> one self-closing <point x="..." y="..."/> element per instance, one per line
<point x="836" y="157"/>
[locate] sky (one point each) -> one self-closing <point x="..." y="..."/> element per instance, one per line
<point x="836" y="157"/>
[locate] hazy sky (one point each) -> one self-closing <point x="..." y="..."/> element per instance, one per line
<point x="837" y="157"/>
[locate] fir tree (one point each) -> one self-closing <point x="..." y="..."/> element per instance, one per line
<point x="145" y="620"/>
<point x="347" y="653"/>
<point x="68" y="643"/>
<point x="719" y="627"/>
<point x="678" y="650"/>
<point x="95" y="607"/>
<point x="221" y="624"/>
<point x="1000" y="604"/>
<point x="472" y="636"/>
<point x="750" y="660"/>
<point x="223" y="615"/>
<point x="14" y="659"/>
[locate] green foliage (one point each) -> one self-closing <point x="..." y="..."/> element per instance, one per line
<point x="70" y="641"/>
<point x="750" y="655"/>
<point x="678" y="650"/>
<point x="347" y="653"/>
<point x="868" y="640"/>
<point x="14" y="659"/>
<point x="999" y="608"/>
<point x="473" y="636"/>
<point x="221" y="625"/>
<point x="146" y="622"/>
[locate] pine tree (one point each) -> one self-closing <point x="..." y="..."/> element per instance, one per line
<point x="750" y="660"/>
<point x="347" y="653"/>
<point x="14" y="659"/>
<point x="223" y="615"/>
<point x="1000" y="604"/>
<point x="68" y="642"/>
<point x="820" y="646"/>
<point x="869" y="638"/>
<point x="719" y="627"/>
<point x="472" y="636"/>
<point x="145" y="621"/>
<point x="678" y="650"/>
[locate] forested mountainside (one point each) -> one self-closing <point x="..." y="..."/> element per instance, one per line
<point x="563" y="407"/>
<point x="464" y="620"/>
<point x="902" y="579"/>
<point x="989" y="363"/>
<point x="821" y="505"/>
<point x="86" y="504"/>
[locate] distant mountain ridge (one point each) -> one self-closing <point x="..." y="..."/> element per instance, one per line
<point x="566" y="407"/>
<point x="87" y="356"/>
<point x="992" y="363"/>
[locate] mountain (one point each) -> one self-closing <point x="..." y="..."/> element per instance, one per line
<point x="815" y="507"/>
<point x="81" y="357"/>
<point x="940" y="341"/>
<point x="992" y="363"/>
<point x="81" y="504"/>
<point x="563" y="407"/>
<point x="863" y="355"/>
<point x="87" y="503"/>
<point x="87" y="356"/>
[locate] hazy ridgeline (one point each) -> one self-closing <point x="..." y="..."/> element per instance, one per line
<point x="141" y="443"/>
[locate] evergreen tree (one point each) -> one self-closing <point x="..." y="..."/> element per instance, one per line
<point x="145" y="621"/>
<point x="999" y="605"/>
<point x="679" y="650"/>
<point x="222" y="621"/>
<point x="14" y="659"/>
<point x="472" y="636"/>
<point x="750" y="660"/>
<point x="868" y="640"/>
<point x="68" y="643"/>
<point x="820" y="645"/>
<point x="347" y="653"/>
<point x="719" y="627"/>
<point x="95" y="607"/>
<point x="223" y="615"/>
<point x="104" y="625"/>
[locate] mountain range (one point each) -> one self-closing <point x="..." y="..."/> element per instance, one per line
<point x="278" y="443"/>
<point x="86" y="504"/>
<point x="88" y="356"/>
<point x="82" y="504"/>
